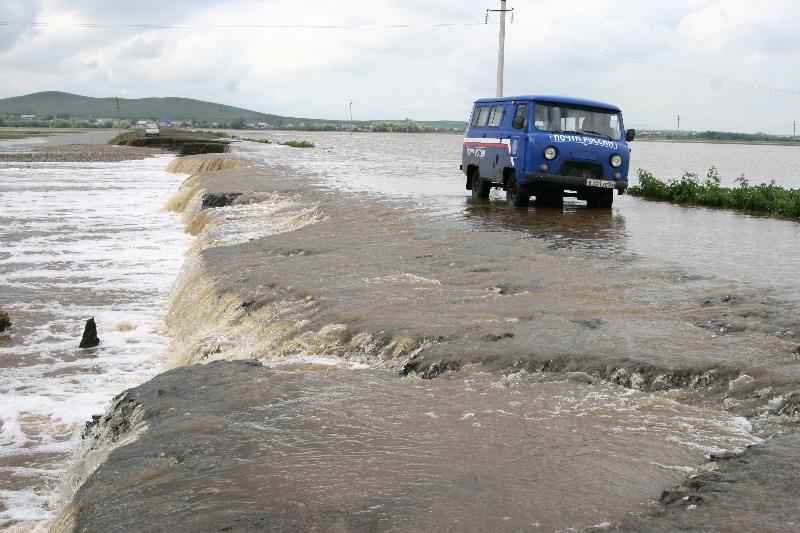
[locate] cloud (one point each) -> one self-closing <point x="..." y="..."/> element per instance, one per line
<point x="15" y="17"/>
<point x="142" y="49"/>
<point x="703" y="59"/>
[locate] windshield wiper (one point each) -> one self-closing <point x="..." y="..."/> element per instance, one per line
<point x="597" y="133"/>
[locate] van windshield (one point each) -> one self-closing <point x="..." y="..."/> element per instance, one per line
<point x="573" y="119"/>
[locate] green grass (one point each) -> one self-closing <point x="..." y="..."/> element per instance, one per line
<point x="689" y="190"/>
<point x="293" y="144"/>
<point x="221" y="134"/>
<point x="19" y="134"/>
<point x="11" y="132"/>
<point x="123" y="138"/>
<point x="298" y="144"/>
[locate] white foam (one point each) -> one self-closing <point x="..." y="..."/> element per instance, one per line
<point x="23" y="506"/>
<point x="79" y="241"/>
<point x="309" y="361"/>
<point x="245" y="222"/>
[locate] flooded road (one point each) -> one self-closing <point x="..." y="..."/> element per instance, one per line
<point x="362" y="450"/>
<point x="696" y="239"/>
<point x="585" y="361"/>
<point x="420" y="360"/>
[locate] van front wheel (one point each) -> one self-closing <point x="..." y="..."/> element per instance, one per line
<point x="480" y="188"/>
<point x="601" y="200"/>
<point x="516" y="193"/>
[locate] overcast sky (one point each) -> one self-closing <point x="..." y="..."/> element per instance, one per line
<point x="725" y="65"/>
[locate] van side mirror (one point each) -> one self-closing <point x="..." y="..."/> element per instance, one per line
<point x="630" y="135"/>
<point x="519" y="123"/>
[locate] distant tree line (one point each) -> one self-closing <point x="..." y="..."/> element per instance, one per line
<point x="64" y="120"/>
<point x="59" y="121"/>
<point x="728" y="136"/>
<point x="409" y="126"/>
<point x="314" y="126"/>
<point x="722" y="136"/>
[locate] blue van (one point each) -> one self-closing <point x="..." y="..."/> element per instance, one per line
<point x="547" y="147"/>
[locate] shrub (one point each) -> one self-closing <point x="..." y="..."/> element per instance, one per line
<point x="764" y="198"/>
<point x="298" y="144"/>
<point x="124" y="138"/>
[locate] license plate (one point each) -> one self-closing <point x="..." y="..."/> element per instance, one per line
<point x="600" y="183"/>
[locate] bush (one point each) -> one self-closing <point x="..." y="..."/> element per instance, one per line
<point x="764" y="198"/>
<point x="124" y="138"/>
<point x="298" y="144"/>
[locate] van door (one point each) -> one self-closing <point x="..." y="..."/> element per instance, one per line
<point x="518" y="137"/>
<point x="499" y="152"/>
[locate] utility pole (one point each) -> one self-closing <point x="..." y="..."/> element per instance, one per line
<point x="794" y="130"/>
<point x="501" y="52"/>
<point x="679" y="125"/>
<point x="351" y="118"/>
<point x="119" y="120"/>
<point x="501" y="47"/>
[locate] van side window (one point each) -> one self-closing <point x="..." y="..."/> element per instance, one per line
<point x="496" y="117"/>
<point x="521" y="117"/>
<point x="479" y="116"/>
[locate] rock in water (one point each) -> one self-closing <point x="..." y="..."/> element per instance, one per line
<point x="89" y="339"/>
<point x="218" y="199"/>
<point x="5" y="320"/>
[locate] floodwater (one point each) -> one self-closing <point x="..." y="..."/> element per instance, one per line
<point x="78" y="241"/>
<point x="584" y="360"/>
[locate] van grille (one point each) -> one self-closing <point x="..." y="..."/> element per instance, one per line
<point x="583" y="170"/>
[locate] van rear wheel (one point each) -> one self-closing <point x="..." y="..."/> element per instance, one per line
<point x="480" y="188"/>
<point x="516" y="193"/>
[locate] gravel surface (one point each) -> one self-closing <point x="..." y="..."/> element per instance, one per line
<point x="80" y="153"/>
<point x="73" y="148"/>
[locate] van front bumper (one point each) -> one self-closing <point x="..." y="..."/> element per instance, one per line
<point x="572" y="182"/>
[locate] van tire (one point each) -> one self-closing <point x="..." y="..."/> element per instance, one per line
<point x="549" y="200"/>
<point x="601" y="200"/>
<point x="480" y="188"/>
<point x="516" y="194"/>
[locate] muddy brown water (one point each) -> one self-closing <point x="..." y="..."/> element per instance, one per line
<point x="79" y="240"/>
<point x="582" y="361"/>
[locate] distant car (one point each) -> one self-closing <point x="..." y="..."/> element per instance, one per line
<point x="151" y="129"/>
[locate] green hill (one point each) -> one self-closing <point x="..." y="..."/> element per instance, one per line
<point x="53" y="103"/>
<point x="59" y="104"/>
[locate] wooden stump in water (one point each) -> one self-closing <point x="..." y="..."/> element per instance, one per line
<point x="5" y="320"/>
<point x="89" y="339"/>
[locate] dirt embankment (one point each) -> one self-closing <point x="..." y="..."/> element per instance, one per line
<point x="95" y="147"/>
<point x="182" y="142"/>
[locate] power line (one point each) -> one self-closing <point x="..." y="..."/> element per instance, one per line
<point x="237" y="26"/>
<point x="762" y="8"/>
<point x="689" y="39"/>
<point x="571" y="43"/>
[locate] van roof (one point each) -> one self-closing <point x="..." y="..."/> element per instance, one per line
<point x="550" y="99"/>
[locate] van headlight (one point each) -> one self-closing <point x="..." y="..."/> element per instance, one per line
<point x="550" y="153"/>
<point x="616" y="161"/>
